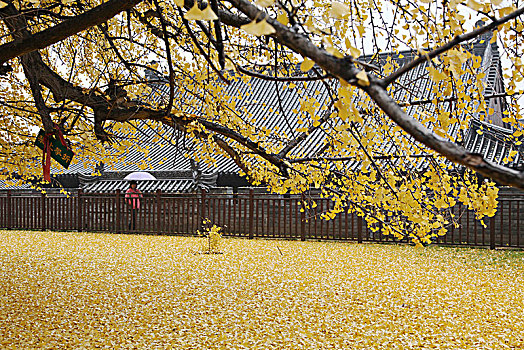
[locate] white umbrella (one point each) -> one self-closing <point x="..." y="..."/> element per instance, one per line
<point x="140" y="175"/>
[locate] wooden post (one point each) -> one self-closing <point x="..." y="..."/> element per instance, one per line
<point x="492" y="233"/>
<point x="44" y="218"/>
<point x="158" y="211"/>
<point x="118" y="223"/>
<point x="9" y="210"/>
<point x="303" y="219"/>
<point x="359" y="229"/>
<point x="79" y="218"/>
<point x="251" y="213"/>
<point x="202" y="209"/>
<point x="518" y="223"/>
<point x="346" y="223"/>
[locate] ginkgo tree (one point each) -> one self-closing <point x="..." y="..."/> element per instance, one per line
<point x="77" y="70"/>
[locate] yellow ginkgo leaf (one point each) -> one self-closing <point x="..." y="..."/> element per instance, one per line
<point x="310" y="25"/>
<point x="203" y="15"/>
<point x="436" y="75"/>
<point x="179" y="3"/>
<point x="230" y="65"/>
<point x="477" y="6"/>
<point x="354" y="51"/>
<point x="306" y="65"/>
<point x="282" y="18"/>
<point x="3" y="4"/>
<point x="258" y="29"/>
<point x="265" y="3"/>
<point x="362" y="78"/>
<point x="506" y="10"/>
<point x="193" y="13"/>
<point x="209" y="14"/>
<point x="494" y="38"/>
<point x="338" y="10"/>
<point x="334" y="51"/>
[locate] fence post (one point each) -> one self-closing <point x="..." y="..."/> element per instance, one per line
<point x="359" y="228"/>
<point x="202" y="209"/>
<point x="303" y="218"/>
<point x="118" y="223"/>
<point x="492" y="233"/>
<point x="9" y="210"/>
<point x="251" y="212"/>
<point x="79" y="218"/>
<point x="158" y="213"/>
<point x="44" y="221"/>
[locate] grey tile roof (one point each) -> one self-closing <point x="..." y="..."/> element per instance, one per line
<point x="13" y="185"/>
<point x="171" y="186"/>
<point x="257" y="102"/>
<point x="494" y="144"/>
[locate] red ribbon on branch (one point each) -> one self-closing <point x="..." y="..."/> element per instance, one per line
<point x="46" y="159"/>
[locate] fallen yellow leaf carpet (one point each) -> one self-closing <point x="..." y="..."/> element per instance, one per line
<point x="102" y="291"/>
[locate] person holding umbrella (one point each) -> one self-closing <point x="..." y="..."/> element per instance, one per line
<point x="133" y="195"/>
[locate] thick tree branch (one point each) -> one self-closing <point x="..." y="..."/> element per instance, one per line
<point x="218" y="35"/>
<point x="61" y="31"/>
<point x="169" y="59"/>
<point x="246" y="142"/>
<point x="233" y="154"/>
<point x="32" y="76"/>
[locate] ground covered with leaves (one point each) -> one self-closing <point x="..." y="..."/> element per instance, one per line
<point x="74" y="290"/>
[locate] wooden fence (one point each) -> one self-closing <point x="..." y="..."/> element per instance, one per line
<point x="247" y="215"/>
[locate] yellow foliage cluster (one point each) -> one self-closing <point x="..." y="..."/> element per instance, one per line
<point x="71" y="291"/>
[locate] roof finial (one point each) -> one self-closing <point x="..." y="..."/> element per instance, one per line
<point x="486" y="36"/>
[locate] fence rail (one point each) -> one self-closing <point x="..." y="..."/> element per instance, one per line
<point x="247" y="215"/>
